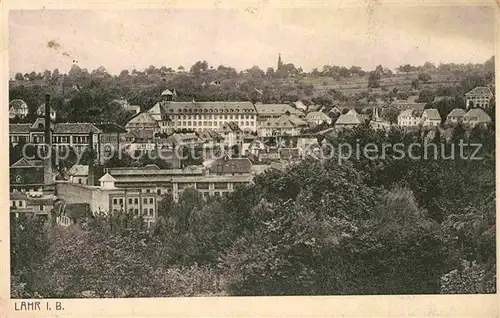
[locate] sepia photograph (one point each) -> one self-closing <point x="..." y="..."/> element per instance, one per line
<point x="218" y="152"/>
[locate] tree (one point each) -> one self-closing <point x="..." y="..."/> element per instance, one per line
<point x="426" y="96"/>
<point x="390" y="114"/>
<point x="199" y="67"/>
<point x="19" y="77"/>
<point x="424" y="77"/>
<point x="180" y="68"/>
<point x="374" y="79"/>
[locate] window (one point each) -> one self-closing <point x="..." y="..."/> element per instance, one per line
<point x="145" y="201"/>
<point x="136" y="211"/>
<point x="136" y="201"/>
<point x="121" y="201"/>
<point x="129" y="201"/>
<point x="115" y="201"/>
<point x="151" y="212"/>
<point x="79" y="181"/>
<point x="151" y="200"/>
<point x="13" y="203"/>
<point x="145" y="211"/>
<point x="41" y="207"/>
<point x="158" y="191"/>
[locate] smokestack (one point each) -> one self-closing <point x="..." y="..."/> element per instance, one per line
<point x="90" y="179"/>
<point x="47" y="162"/>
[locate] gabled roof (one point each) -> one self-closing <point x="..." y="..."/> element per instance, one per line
<point x="110" y="128"/>
<point x="320" y="115"/>
<point x="480" y="90"/>
<point x="276" y="109"/>
<point x="107" y="178"/>
<point x="432" y="114"/>
<point x="457" y="112"/>
<point x="19" y="128"/>
<point x="348" y="119"/>
<point x="234" y="165"/>
<point x="410" y="113"/>
<point x="79" y="170"/>
<point x="300" y="105"/>
<point x="477" y="114"/>
<point x="75" y="128"/>
<point x="25" y="163"/>
<point x="166" y="92"/>
<point x="40" y="121"/>
<point x="231" y="126"/>
<point x="202" y="107"/>
<point x="143" y="118"/>
<point x="17" y="104"/>
<point x="335" y="110"/>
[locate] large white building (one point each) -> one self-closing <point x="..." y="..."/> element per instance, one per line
<point x="200" y="116"/>
<point x="478" y="97"/>
<point x="409" y="118"/>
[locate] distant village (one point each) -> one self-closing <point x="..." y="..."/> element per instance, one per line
<point x="236" y="141"/>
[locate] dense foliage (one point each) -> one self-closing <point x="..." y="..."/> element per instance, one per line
<point x="355" y="226"/>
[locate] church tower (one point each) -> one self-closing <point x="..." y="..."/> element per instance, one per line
<point x="280" y="62"/>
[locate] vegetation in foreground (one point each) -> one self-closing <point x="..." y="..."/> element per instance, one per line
<point x="320" y="228"/>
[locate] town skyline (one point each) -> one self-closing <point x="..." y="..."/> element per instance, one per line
<point x="434" y="34"/>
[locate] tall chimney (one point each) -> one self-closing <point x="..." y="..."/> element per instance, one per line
<point x="90" y="179"/>
<point x="47" y="162"/>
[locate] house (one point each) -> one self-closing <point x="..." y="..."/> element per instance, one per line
<point x="348" y="120"/>
<point x="409" y="118"/>
<point x="18" y="108"/>
<point x="289" y="125"/>
<point x="229" y="166"/>
<point x="232" y="134"/>
<point x="26" y="175"/>
<point x="41" y="112"/>
<point x="317" y="118"/>
<point x="184" y="140"/>
<point x="79" y="174"/>
<point x="36" y="204"/>
<point x="430" y="118"/>
<point x="300" y="105"/>
<point x="109" y="142"/>
<point x="335" y="110"/>
<point x="143" y="121"/>
<point x="211" y="138"/>
<point x="455" y="116"/>
<point x="274" y="111"/>
<point x="478" y="97"/>
<point x="475" y="117"/>
<point x="378" y="122"/>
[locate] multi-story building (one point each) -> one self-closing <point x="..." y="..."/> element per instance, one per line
<point x="317" y="118"/>
<point x="109" y="141"/>
<point x="430" y="118"/>
<point x="285" y="125"/>
<point x="478" y="97"/>
<point x="18" y="108"/>
<point x="409" y="118"/>
<point x="107" y="198"/>
<point x="26" y="175"/>
<point x="199" y="116"/>
<point x="266" y="112"/>
<point x="232" y="134"/>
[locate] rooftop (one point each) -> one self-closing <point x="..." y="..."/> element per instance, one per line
<point x="480" y="90"/>
<point x="432" y="114"/>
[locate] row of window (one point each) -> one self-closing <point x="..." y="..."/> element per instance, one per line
<point x="203" y="123"/>
<point x="209" y="117"/>
<point x="146" y="212"/>
<point x="212" y="110"/>
<point x="117" y="201"/>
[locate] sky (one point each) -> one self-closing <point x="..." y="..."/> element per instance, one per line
<point x="364" y="36"/>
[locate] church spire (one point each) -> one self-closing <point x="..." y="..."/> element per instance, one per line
<point x="280" y="62"/>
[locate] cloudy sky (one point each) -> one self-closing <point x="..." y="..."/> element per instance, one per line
<point x="364" y="36"/>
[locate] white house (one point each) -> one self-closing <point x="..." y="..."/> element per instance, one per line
<point x="79" y="174"/>
<point x="455" y="116"/>
<point x="478" y="97"/>
<point x="409" y="118"/>
<point x="430" y="118"/>
<point x="317" y="118"/>
<point x="476" y="116"/>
